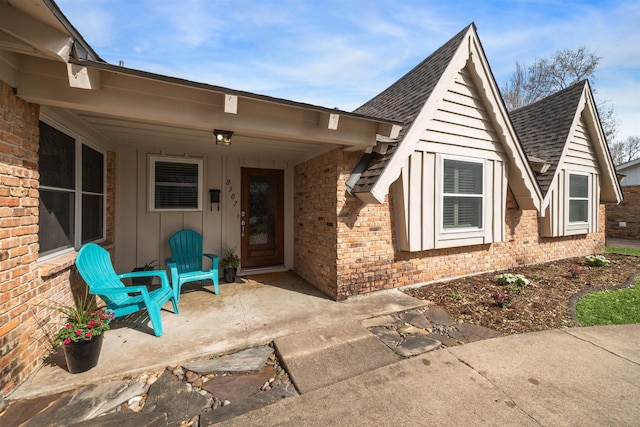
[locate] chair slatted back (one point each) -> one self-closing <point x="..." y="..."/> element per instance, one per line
<point x="95" y="267"/>
<point x="186" y="250"/>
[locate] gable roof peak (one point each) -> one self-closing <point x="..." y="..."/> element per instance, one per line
<point x="404" y="99"/>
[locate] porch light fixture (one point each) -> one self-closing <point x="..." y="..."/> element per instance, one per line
<point x="223" y="137"/>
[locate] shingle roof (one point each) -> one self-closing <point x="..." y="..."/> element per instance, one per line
<point x="404" y="99"/>
<point x="543" y="128"/>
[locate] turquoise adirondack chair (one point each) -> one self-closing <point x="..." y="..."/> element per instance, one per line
<point x="95" y="267"/>
<point x="186" y="261"/>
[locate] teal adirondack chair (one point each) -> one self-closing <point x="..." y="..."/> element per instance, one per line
<point x="186" y="261"/>
<point x="95" y="267"/>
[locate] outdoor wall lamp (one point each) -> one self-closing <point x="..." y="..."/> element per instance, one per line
<point x="223" y="137"/>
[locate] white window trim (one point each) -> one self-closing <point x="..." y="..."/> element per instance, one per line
<point x="152" y="182"/>
<point x="578" y="224"/>
<point x="442" y="195"/>
<point x="77" y="226"/>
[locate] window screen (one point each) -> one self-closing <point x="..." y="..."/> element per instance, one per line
<point x="176" y="184"/>
<point x="462" y="194"/>
<point x="62" y="190"/>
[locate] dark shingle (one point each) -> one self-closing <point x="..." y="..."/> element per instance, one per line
<point x="543" y="128"/>
<point x="403" y="100"/>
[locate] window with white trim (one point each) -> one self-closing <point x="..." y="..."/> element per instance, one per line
<point x="176" y="184"/>
<point x="72" y="191"/>
<point x="462" y="194"/>
<point x="578" y="198"/>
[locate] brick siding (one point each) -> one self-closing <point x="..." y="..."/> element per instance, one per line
<point x="627" y="211"/>
<point x="28" y="287"/>
<point x="362" y="238"/>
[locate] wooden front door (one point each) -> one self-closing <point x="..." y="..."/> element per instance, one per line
<point x="262" y="217"/>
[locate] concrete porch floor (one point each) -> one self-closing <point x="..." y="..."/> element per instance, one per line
<point x="243" y="315"/>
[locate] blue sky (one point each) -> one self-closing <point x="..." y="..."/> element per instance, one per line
<point x="341" y="53"/>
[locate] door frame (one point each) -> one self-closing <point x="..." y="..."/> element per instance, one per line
<point x="278" y="257"/>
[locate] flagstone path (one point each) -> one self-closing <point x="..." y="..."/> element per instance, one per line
<point x="208" y="391"/>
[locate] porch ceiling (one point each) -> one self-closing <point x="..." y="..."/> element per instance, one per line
<point x="126" y="131"/>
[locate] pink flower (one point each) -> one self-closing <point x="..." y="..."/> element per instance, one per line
<point x="78" y="333"/>
<point x="89" y="334"/>
<point x="67" y="341"/>
<point x="67" y="326"/>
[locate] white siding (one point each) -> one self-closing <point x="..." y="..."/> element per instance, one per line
<point x="153" y="229"/>
<point x="579" y="158"/>
<point x="632" y="176"/>
<point x="461" y="126"/>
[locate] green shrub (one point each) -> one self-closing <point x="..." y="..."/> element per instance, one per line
<point x="512" y="279"/>
<point x="596" y="261"/>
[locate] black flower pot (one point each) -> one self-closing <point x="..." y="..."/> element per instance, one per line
<point x="230" y="274"/>
<point x="144" y="281"/>
<point x="82" y="356"/>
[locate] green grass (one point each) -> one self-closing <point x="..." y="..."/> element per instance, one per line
<point x="622" y="251"/>
<point x="617" y="307"/>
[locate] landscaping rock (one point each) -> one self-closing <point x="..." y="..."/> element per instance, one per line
<point x="126" y="419"/>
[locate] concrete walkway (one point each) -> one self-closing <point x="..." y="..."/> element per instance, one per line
<point x="582" y="376"/>
<point x="243" y="315"/>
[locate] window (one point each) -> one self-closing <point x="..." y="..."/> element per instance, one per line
<point x="462" y="194"/>
<point x="71" y="210"/>
<point x="175" y="184"/>
<point x="578" y="198"/>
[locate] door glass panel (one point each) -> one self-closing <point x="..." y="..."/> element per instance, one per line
<point x="262" y="210"/>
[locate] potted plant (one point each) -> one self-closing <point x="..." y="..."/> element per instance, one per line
<point x="229" y="262"/>
<point x="151" y="265"/>
<point x="82" y="333"/>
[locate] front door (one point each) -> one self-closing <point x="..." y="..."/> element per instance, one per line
<point x="262" y="217"/>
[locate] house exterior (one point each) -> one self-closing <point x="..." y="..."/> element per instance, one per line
<point x="428" y="180"/>
<point x="623" y="220"/>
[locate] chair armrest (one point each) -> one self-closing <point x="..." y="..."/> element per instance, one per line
<point x="162" y="274"/>
<point x="116" y="291"/>
<point x="214" y="260"/>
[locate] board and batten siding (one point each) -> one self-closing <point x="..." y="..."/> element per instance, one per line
<point x="461" y="127"/>
<point x="579" y="158"/>
<point x="145" y="235"/>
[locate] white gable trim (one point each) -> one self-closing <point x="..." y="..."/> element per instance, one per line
<point x="521" y="175"/>
<point x="610" y="191"/>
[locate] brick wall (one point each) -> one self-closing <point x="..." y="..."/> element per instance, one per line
<point x="29" y="287"/>
<point x="627" y="211"/>
<point x="315" y="221"/>
<point x="365" y="254"/>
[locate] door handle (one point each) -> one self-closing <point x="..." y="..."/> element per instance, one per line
<point x="242" y="224"/>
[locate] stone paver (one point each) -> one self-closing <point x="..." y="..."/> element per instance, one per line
<point x="243" y="361"/>
<point x="417" y="344"/>
<point x="236" y="387"/>
<point x="170" y="395"/>
<point x="252" y="403"/>
<point x="388" y="336"/>
<point x="439" y="316"/>
<point x="416" y="318"/>
<point x="476" y="333"/>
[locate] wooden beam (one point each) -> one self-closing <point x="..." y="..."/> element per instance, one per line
<point x="231" y="104"/>
<point x="83" y="77"/>
<point x="121" y="95"/>
<point x="45" y="39"/>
